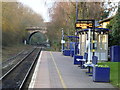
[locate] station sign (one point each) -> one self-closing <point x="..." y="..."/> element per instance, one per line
<point x="84" y="24"/>
<point x="62" y="41"/>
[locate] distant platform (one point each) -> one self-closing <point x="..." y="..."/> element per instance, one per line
<point x="53" y="70"/>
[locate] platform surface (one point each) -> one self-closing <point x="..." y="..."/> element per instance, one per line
<point x="53" y="70"/>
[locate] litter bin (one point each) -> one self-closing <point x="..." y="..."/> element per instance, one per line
<point x="115" y="53"/>
<point x="72" y="44"/>
<point x="72" y="52"/>
<point x="66" y="52"/>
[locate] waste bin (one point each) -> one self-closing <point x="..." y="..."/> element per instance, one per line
<point x="115" y="53"/>
<point x="72" y="52"/>
<point x="72" y="44"/>
<point x="66" y="52"/>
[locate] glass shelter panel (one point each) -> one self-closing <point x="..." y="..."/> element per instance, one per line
<point x="100" y="42"/>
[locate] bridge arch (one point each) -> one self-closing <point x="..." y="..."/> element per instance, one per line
<point x="30" y="36"/>
<point x="33" y="30"/>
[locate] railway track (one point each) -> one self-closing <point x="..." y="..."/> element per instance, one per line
<point x="17" y="75"/>
<point x="11" y="62"/>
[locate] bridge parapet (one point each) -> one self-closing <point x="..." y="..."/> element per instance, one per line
<point x="36" y="29"/>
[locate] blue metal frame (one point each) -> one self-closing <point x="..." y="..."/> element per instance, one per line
<point x="72" y="37"/>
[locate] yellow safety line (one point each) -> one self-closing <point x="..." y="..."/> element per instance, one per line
<point x="60" y="76"/>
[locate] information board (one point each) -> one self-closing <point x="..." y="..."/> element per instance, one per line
<point x="84" y="24"/>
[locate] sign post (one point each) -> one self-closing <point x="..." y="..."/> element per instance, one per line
<point x="87" y="24"/>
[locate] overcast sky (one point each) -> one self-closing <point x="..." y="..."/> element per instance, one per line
<point x="40" y="6"/>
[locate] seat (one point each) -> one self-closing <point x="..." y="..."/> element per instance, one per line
<point x="94" y="62"/>
<point x="85" y="57"/>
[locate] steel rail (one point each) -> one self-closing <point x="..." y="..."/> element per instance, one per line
<point x="30" y="69"/>
<point x="16" y="65"/>
<point x="12" y="57"/>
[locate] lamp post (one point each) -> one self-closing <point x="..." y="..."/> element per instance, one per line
<point x="76" y="10"/>
<point x="76" y="29"/>
<point x="62" y="41"/>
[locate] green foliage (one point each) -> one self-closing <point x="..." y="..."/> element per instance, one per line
<point x="114" y="35"/>
<point x="111" y="39"/>
<point x="105" y="14"/>
<point x="38" y="38"/>
<point x="116" y="28"/>
<point x="104" y="66"/>
<point x="63" y="15"/>
<point x="15" y="18"/>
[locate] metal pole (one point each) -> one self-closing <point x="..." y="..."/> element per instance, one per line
<point x="62" y="40"/>
<point x="93" y="36"/>
<point x="76" y="10"/>
<point x="89" y="55"/>
<point x="76" y="29"/>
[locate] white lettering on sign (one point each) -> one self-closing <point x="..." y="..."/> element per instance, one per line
<point x="62" y="41"/>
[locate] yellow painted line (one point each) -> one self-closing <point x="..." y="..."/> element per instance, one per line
<point x="59" y="74"/>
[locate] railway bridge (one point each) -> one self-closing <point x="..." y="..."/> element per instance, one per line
<point x="32" y="30"/>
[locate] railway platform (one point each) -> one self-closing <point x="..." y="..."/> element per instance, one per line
<point x="53" y="70"/>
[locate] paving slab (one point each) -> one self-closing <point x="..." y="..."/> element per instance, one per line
<point x="53" y="70"/>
